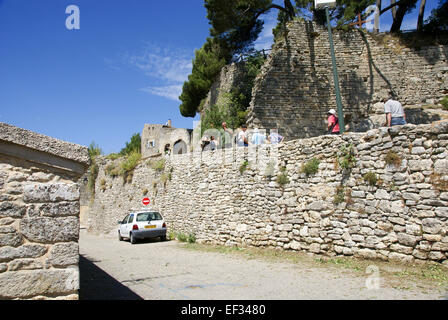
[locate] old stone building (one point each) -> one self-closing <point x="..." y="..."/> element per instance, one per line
<point x="160" y="139"/>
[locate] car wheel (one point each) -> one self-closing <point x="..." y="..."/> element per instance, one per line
<point x="163" y="238"/>
<point x="120" y="238"/>
<point x="133" y="240"/>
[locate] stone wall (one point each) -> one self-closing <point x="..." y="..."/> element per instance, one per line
<point x="296" y="89"/>
<point x="231" y="76"/>
<point x="403" y="216"/>
<point x="39" y="215"/>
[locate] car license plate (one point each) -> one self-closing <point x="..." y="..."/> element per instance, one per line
<point x="150" y="227"/>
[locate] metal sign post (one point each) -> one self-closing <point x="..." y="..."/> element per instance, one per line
<point x="326" y="4"/>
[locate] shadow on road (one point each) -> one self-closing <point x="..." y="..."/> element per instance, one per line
<point x="96" y="284"/>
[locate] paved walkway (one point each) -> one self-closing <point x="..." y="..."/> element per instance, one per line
<point x="154" y="270"/>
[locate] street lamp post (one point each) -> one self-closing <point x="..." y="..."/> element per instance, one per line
<point x="325" y="4"/>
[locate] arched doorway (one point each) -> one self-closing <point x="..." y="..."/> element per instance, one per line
<point x="180" y="147"/>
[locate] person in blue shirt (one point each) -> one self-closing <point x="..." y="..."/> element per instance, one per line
<point x="258" y="138"/>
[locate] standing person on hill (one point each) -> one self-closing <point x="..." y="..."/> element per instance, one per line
<point x="395" y="115"/>
<point x="333" y="122"/>
<point x="258" y="138"/>
<point x="275" y="137"/>
<point x="226" y="137"/>
<point x="241" y="140"/>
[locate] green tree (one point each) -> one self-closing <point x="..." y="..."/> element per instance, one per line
<point x="207" y="65"/>
<point x="439" y="18"/>
<point x="134" y="146"/>
<point x="344" y="12"/>
<point x="232" y="107"/>
<point x="238" y="23"/>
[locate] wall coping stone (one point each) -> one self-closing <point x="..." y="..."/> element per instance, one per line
<point x="16" y="141"/>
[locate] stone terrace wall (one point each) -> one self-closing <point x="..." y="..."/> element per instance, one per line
<point x="404" y="218"/>
<point x="39" y="215"/>
<point x="296" y="89"/>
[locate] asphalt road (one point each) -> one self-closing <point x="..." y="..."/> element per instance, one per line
<point x="154" y="270"/>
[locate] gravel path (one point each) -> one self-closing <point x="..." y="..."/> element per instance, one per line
<point x="154" y="270"/>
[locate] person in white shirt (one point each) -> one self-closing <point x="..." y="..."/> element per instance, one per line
<point x="241" y="140"/>
<point x="395" y="115"/>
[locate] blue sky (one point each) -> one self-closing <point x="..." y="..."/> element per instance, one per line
<point x="125" y="66"/>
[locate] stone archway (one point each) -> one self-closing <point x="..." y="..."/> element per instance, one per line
<point x="180" y="147"/>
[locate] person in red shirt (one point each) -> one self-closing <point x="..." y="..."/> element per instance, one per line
<point x="333" y="122"/>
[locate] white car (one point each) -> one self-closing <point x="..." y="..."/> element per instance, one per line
<point x="142" y="225"/>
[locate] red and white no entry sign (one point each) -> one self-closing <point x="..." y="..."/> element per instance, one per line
<point x="146" y="201"/>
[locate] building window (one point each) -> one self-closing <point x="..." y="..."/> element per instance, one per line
<point x="151" y="144"/>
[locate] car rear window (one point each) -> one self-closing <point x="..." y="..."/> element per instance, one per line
<point x="149" y="216"/>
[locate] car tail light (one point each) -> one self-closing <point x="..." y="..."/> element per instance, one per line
<point x="135" y="227"/>
<point x="164" y="225"/>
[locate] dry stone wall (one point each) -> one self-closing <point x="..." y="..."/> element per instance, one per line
<point x="296" y="89"/>
<point x="39" y="215"/>
<point x="401" y="216"/>
<point x="231" y="76"/>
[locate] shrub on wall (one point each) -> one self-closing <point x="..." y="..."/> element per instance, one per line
<point x="346" y="157"/>
<point x="131" y="161"/>
<point x="311" y="167"/>
<point x="444" y="103"/>
<point x="392" y="158"/>
<point x="191" y="238"/>
<point x="339" y="196"/>
<point x="158" y="165"/>
<point x="113" y="156"/>
<point x="94" y="152"/>
<point x="244" y="166"/>
<point x="113" y="170"/>
<point x="371" y="178"/>
<point x="282" y="179"/>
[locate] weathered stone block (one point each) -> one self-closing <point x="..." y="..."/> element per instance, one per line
<point x="436" y="256"/>
<point x="314" y="248"/>
<point x="399" y="221"/>
<point x="440" y="246"/>
<point x="419" y="254"/>
<point x="406" y="239"/>
<point x="432" y="226"/>
<point x="25" y="251"/>
<point x="399" y="257"/>
<point x="441" y="166"/>
<point x="382" y="195"/>
<point x="10" y="240"/>
<point x="50" y="230"/>
<point x="55" y="192"/>
<point x="13" y="210"/>
<point x="63" y="255"/>
<point x="401" y="249"/>
<point x="367" y="254"/>
<point x="24" y="285"/>
<point x="25" y="264"/>
<point x="60" y="209"/>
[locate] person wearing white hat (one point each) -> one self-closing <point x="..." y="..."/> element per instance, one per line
<point x="333" y="122"/>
